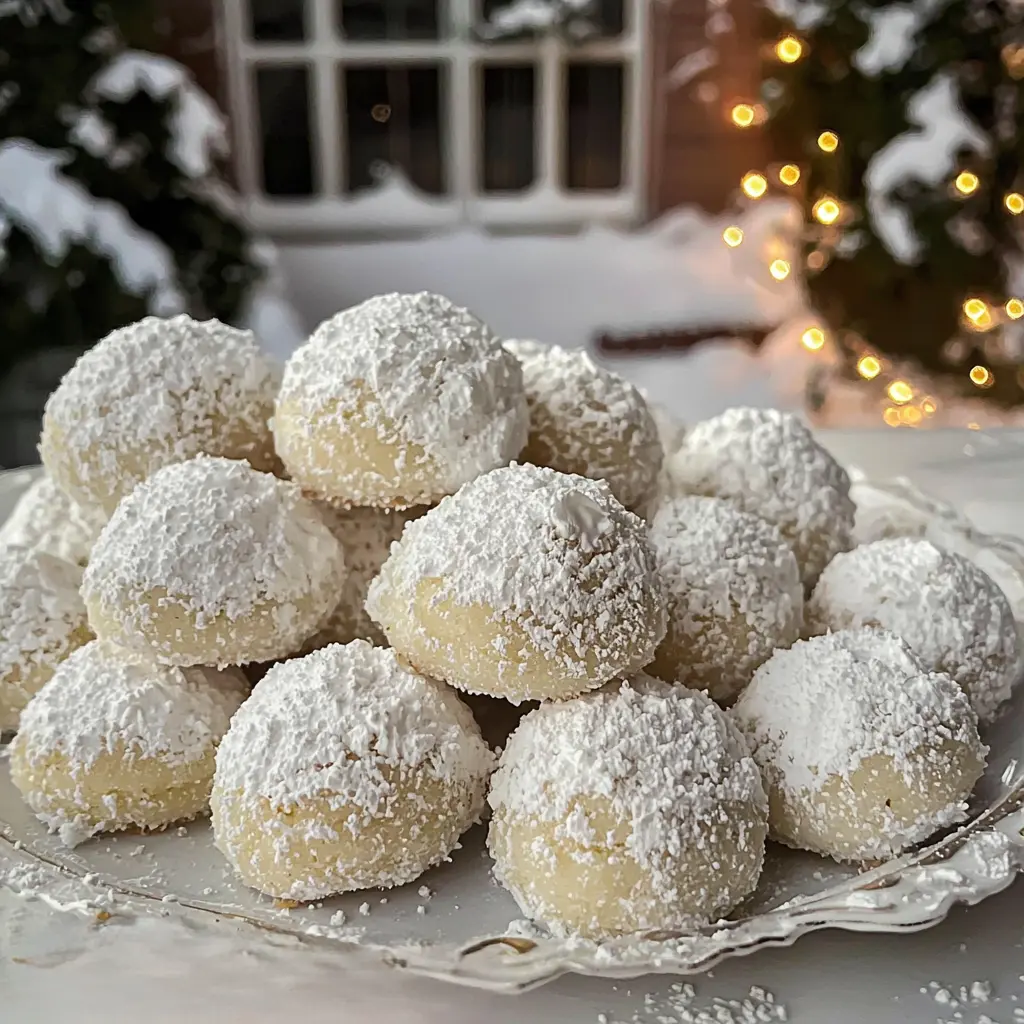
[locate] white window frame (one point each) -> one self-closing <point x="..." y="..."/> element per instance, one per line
<point x="544" y="206"/>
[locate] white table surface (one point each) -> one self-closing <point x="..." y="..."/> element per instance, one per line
<point x="60" y="965"/>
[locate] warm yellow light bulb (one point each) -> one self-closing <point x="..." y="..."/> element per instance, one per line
<point x="900" y="391"/>
<point x="982" y="376"/>
<point x="966" y="183"/>
<point x="911" y="415"/>
<point x="827" y="210"/>
<point x="929" y="405"/>
<point x="978" y="313"/>
<point x="779" y="269"/>
<point x="828" y="141"/>
<point x="732" y="236"/>
<point x="813" y="339"/>
<point x="869" y="367"/>
<point x="1014" y="202"/>
<point x="789" y="49"/>
<point x="754" y="185"/>
<point x="742" y="115"/>
<point x="789" y="174"/>
<point x="891" y="416"/>
<point x="1014" y="309"/>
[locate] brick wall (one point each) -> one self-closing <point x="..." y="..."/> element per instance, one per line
<point x="696" y="155"/>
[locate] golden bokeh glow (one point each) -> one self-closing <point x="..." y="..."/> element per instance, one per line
<point x="779" y="269"/>
<point x="827" y="210"/>
<point x="1014" y="309"/>
<point x="732" y="236"/>
<point x="828" y="141"/>
<point x="813" y="339"/>
<point x="900" y="391"/>
<point x="978" y="313"/>
<point x="982" y="376"/>
<point x="966" y="183"/>
<point x="869" y="367"/>
<point x="911" y="415"/>
<point x="891" y="416"/>
<point x="789" y="49"/>
<point x="789" y="174"/>
<point x="742" y="115"/>
<point x="929" y="405"/>
<point x="754" y="185"/>
<point x="1014" y="202"/>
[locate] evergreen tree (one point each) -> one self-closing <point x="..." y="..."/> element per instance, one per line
<point x="111" y="200"/>
<point x="901" y="127"/>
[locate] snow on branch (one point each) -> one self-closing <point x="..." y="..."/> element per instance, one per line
<point x="58" y="212"/>
<point x="575" y="19"/>
<point x="199" y="133"/>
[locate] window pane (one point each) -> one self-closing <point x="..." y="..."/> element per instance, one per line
<point x="610" y="17"/>
<point x="594" y="126"/>
<point x="393" y="119"/>
<point x="277" y="21"/>
<point x="284" y="114"/>
<point x="388" y="19"/>
<point x="509" y="117"/>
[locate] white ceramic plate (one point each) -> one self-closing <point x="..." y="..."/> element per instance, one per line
<point x="466" y="930"/>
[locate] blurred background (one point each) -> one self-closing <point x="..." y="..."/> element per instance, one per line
<point x="813" y="204"/>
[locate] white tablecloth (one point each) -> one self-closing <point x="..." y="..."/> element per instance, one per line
<point x="58" y="966"/>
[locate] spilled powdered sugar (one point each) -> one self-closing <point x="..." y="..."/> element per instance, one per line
<point x="733" y="588"/>
<point x="325" y="724"/>
<point x="40" y="611"/>
<point x="769" y="463"/>
<point x="220" y="537"/>
<point x="555" y="553"/>
<point x="585" y="419"/>
<point x="431" y="367"/>
<point x="824" y="706"/>
<point x="667" y="759"/>
<point x="954" y="617"/>
<point x="155" y="392"/>
<point x="46" y="518"/>
<point x="102" y="696"/>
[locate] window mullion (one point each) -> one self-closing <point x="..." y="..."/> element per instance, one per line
<point x="550" y="111"/>
<point x="240" y="98"/>
<point x="464" y="105"/>
<point x="327" y="123"/>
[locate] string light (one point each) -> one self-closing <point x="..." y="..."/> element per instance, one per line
<point x="1014" y="202"/>
<point x="813" y="339"/>
<point x="911" y="415"/>
<point x="743" y="115"/>
<point x="732" y="236"/>
<point x="789" y="49"/>
<point x="779" y="269"/>
<point x="900" y="392"/>
<point x="828" y="141"/>
<point x="929" y="405"/>
<point x="966" y="183"/>
<point x="978" y="313"/>
<point x="789" y="174"/>
<point x="891" y="416"/>
<point x="1014" y="309"/>
<point x="754" y="185"/>
<point x="982" y="376"/>
<point x="869" y="367"/>
<point x="826" y="210"/>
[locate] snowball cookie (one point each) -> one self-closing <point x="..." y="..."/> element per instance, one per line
<point x="636" y="808"/>
<point x="46" y="518"/>
<point x="152" y="393"/>
<point x="115" y="741"/>
<point x="734" y="594"/>
<point x="865" y="752"/>
<point x="42" y="620"/>
<point x="528" y="584"/>
<point x="346" y="770"/>
<point x="768" y="463"/>
<point x="585" y="419"/>
<point x="397" y="402"/>
<point x="366" y="535"/>
<point x="209" y="562"/>
<point x="953" y="615"/>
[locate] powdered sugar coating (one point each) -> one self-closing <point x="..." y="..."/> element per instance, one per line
<point x="664" y="761"/>
<point x="46" y="518"/>
<point x="769" y="463"/>
<point x="103" y="695"/>
<point x="734" y="593"/>
<point x="348" y="728"/>
<point x="223" y="541"/>
<point x="553" y="553"/>
<point x="585" y="419"/>
<point x="42" y="619"/>
<point x="153" y="393"/>
<point x="821" y="709"/>
<point x="421" y="366"/>
<point x="950" y="612"/>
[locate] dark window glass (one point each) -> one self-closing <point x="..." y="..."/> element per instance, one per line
<point x="393" y="119"/>
<point x="285" y="137"/>
<point x="508" y="160"/>
<point x="388" y="19"/>
<point x="277" y="21"/>
<point x="594" y="121"/>
<point x="610" y="16"/>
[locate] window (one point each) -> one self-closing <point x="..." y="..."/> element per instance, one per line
<point x="375" y="114"/>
